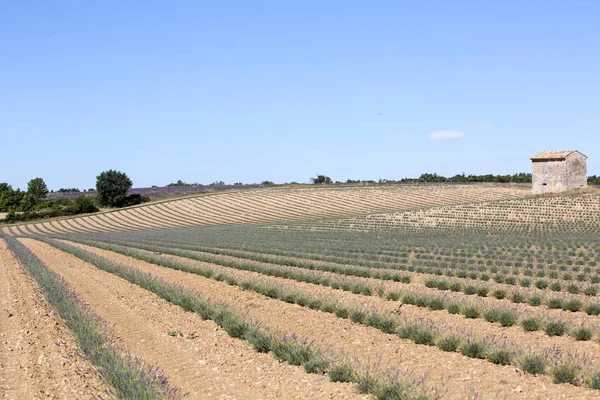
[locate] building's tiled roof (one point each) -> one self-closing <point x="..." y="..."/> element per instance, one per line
<point x="554" y="155"/>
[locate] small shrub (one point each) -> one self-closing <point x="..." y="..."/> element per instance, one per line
<point x="393" y="296"/>
<point x="448" y="343"/>
<point x="582" y="334"/>
<point x="469" y="290"/>
<point x="555" y="303"/>
<point x="595" y="381"/>
<point x="453" y="308"/>
<point x="565" y="373"/>
<point x="591" y="291"/>
<point x="572" y="305"/>
<point x="501" y="357"/>
<point x="593" y="309"/>
<point x="381" y="322"/>
<point x="499" y="294"/>
<point x="436" y="304"/>
<point x="507" y="318"/>
<point x="340" y="373"/>
<point x="555" y="328"/>
<point x="358" y="316"/>
<point x="541" y="284"/>
<point x="535" y="301"/>
<point x="556" y="287"/>
<point x="471" y="312"/>
<point x="492" y="315"/>
<point x="419" y="334"/>
<point x="573" y="288"/>
<point x="533" y="364"/>
<point x="517" y="298"/>
<point x="531" y="324"/>
<point x="316" y="365"/>
<point x="473" y="349"/>
<point x="525" y="282"/>
<point x="455" y="287"/>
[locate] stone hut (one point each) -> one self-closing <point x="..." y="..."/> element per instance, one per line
<point x="559" y="171"/>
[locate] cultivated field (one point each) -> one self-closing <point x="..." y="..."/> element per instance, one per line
<point x="450" y="292"/>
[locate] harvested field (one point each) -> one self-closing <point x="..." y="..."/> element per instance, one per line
<point x="458" y="292"/>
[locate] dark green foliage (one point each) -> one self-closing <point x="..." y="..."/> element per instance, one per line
<point x="37" y="189"/>
<point x="582" y="334"/>
<point x="420" y="334"/>
<point x="448" y="343"/>
<point x="340" y="373"/>
<point x="55" y="208"/>
<point x="565" y="373"/>
<point x="572" y="305"/>
<point x="531" y="324"/>
<point x="499" y="294"/>
<point x="471" y="312"/>
<point x="112" y="187"/>
<point x="555" y="328"/>
<point x="321" y="179"/>
<point x="393" y="296"/>
<point x="315" y="365"/>
<point x="501" y="357"/>
<point x="593" y="309"/>
<point x="535" y="301"/>
<point x="595" y="381"/>
<point x="453" y="308"/>
<point x="555" y="303"/>
<point x="518" y="298"/>
<point x="473" y="349"/>
<point x="533" y="364"/>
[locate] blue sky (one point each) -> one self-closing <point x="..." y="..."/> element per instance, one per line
<point x="282" y="90"/>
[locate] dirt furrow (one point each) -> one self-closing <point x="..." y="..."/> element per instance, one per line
<point x="210" y="365"/>
<point x="38" y="357"/>
<point x="464" y="376"/>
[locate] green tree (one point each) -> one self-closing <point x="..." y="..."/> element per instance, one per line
<point x="112" y="187"/>
<point x="37" y="188"/>
<point x="322" y="179"/>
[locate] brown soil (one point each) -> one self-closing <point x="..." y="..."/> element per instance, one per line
<point x="211" y="365"/>
<point x="462" y="376"/>
<point x="38" y="357"/>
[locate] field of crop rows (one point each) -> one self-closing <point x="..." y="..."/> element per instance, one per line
<point x="269" y="205"/>
<point x="453" y="293"/>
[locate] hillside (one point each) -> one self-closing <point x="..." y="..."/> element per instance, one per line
<point x="272" y="205"/>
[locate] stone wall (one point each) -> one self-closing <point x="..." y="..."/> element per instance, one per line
<point x="555" y="176"/>
<point x="576" y="171"/>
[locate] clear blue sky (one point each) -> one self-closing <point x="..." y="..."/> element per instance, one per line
<point x="282" y="90"/>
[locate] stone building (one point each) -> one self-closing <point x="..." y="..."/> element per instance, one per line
<point x="559" y="171"/>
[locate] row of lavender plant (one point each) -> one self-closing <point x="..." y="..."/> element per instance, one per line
<point x="420" y="331"/>
<point x="382" y="385"/>
<point x="493" y="314"/>
<point x="129" y="377"/>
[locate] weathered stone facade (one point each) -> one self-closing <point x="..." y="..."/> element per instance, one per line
<point x="559" y="171"/>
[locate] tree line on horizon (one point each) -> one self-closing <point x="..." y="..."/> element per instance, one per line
<point x="111" y="191"/>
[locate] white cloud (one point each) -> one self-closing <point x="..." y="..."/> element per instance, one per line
<point x="443" y="135"/>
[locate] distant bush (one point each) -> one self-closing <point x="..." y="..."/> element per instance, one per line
<point x="51" y="209"/>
